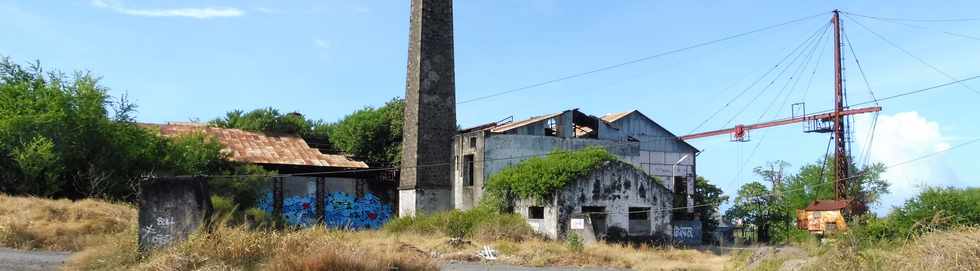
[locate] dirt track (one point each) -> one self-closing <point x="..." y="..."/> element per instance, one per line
<point x="11" y="259"/>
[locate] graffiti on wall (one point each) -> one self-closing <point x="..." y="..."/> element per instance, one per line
<point x="341" y="210"/>
<point x="687" y="232"/>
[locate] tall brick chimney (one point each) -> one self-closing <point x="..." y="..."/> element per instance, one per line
<point x="430" y="111"/>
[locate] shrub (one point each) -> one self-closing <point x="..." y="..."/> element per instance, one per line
<point x="937" y="209"/>
<point x="574" y="242"/>
<point x="538" y="177"/>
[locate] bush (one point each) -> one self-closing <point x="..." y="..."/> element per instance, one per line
<point x="574" y="242"/>
<point x="538" y="177"/>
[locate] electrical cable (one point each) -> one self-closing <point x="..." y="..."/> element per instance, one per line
<point x="934" y="68"/>
<point x="763" y="91"/>
<point x="642" y="59"/>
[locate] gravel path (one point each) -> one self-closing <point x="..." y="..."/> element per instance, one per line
<point x="488" y="267"/>
<point x="12" y="259"/>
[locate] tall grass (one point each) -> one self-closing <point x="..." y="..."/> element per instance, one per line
<point x="957" y="249"/>
<point x="63" y="225"/>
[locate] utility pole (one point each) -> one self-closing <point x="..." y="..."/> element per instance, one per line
<point x="840" y="146"/>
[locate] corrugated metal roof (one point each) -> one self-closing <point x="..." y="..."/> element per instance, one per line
<point x="258" y="148"/>
<point x="518" y="124"/>
<point x="827" y="205"/>
<point x="611" y="117"/>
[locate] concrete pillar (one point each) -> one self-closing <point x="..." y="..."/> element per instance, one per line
<point x="170" y="210"/>
<point x="430" y="111"/>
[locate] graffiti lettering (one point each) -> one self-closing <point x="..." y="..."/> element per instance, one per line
<point x="341" y="210"/>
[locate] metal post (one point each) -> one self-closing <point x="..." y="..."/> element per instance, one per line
<point x="277" y="199"/>
<point x="321" y="189"/>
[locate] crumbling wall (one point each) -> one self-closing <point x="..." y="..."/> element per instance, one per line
<point x="170" y="210"/>
<point x="616" y="187"/>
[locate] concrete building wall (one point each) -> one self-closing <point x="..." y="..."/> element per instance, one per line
<point x="547" y="224"/>
<point x="467" y="196"/>
<point x="494" y="152"/>
<point x="616" y="187"/>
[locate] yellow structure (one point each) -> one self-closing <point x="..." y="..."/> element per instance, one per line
<point x="822" y="217"/>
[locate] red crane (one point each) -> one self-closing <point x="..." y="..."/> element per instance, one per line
<point x="832" y="122"/>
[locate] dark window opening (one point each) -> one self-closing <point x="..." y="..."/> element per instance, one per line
<point x="468" y="170"/>
<point x="585" y="126"/>
<point x="551" y="127"/>
<point x="639" y="213"/>
<point x="597" y="216"/>
<point x="680" y="197"/>
<point x="472" y="142"/>
<point x="535" y="212"/>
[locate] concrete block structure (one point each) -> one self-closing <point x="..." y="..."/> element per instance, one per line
<point x="635" y="139"/>
<point x="620" y="202"/>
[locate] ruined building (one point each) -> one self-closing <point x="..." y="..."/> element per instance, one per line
<point x="633" y="137"/>
<point x="616" y="201"/>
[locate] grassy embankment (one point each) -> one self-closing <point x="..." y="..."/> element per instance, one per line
<point x="104" y="237"/>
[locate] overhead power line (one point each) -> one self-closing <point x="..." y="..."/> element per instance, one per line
<point x="642" y="59"/>
<point x="893" y="44"/>
<point x="940" y="20"/>
<point x="972" y="37"/>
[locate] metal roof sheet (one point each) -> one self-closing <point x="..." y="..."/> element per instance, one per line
<point x="258" y="148"/>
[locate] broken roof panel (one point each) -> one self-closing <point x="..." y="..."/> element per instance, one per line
<point x="258" y="148"/>
<point x="827" y="205"/>
<point x="612" y="117"/>
<point x="518" y="124"/>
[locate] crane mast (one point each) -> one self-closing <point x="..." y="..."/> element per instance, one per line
<point x="840" y="142"/>
<point x="832" y="122"/>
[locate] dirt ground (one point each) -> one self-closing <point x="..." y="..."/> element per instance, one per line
<point x="12" y="259"/>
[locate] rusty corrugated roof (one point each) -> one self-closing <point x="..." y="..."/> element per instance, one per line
<point x="258" y="148"/>
<point x="827" y="205"/>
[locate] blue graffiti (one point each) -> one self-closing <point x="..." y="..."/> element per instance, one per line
<point x="341" y="211"/>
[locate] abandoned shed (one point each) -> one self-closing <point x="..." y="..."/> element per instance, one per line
<point x="616" y="201"/>
<point x="823" y="216"/>
<point x="635" y="139"/>
<point x="310" y="175"/>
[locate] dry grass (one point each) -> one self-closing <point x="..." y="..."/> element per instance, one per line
<point x="63" y="225"/>
<point x="104" y="234"/>
<point x="957" y="249"/>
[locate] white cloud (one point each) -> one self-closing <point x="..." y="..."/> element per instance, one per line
<point x="899" y="138"/>
<point x="322" y="44"/>
<point x="197" y="13"/>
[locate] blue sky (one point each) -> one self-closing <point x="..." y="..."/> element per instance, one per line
<point x="195" y="60"/>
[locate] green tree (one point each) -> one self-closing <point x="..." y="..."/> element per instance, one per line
<point x="64" y="136"/>
<point x="707" y="198"/>
<point x="755" y="205"/>
<point x="372" y="134"/>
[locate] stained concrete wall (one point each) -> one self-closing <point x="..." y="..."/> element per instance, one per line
<point x="170" y="210"/>
<point x="616" y="186"/>
<point x="494" y="152"/>
<point x="467" y="196"/>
